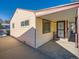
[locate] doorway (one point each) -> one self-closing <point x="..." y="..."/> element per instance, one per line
<point x="60" y="29"/>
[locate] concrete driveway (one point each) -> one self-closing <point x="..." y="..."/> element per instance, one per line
<point x="10" y="48"/>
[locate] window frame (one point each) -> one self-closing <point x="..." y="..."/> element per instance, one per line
<point x="13" y="25"/>
<point x="24" y="23"/>
<point x="27" y="24"/>
<point x="44" y="26"/>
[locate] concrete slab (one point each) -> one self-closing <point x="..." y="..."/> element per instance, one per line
<point x="69" y="46"/>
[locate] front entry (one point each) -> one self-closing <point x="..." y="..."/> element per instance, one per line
<point x="60" y="29"/>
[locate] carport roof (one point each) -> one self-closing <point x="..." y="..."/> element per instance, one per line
<point x="54" y="9"/>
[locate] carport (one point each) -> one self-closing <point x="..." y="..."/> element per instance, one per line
<point x="63" y="28"/>
<point x="63" y="24"/>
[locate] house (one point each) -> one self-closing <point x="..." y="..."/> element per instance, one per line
<point x="6" y="27"/>
<point x="5" y="30"/>
<point x="35" y="28"/>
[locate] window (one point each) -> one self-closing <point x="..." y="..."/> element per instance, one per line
<point x="22" y="23"/>
<point x="25" y="23"/>
<point x="46" y="26"/>
<point x="13" y="25"/>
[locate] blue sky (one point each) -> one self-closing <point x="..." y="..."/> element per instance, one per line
<point x="8" y="7"/>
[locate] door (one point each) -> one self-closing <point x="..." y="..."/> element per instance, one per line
<point x="61" y="29"/>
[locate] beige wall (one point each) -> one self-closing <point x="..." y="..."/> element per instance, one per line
<point x="40" y="37"/>
<point x="53" y="26"/>
<point x="27" y="33"/>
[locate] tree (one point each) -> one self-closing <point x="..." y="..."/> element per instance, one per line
<point x="1" y="27"/>
<point x="1" y="21"/>
<point x="7" y="21"/>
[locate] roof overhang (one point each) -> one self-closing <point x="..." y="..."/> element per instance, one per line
<point x="56" y="9"/>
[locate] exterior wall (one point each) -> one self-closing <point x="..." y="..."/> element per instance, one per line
<point x="53" y="26"/>
<point x="40" y="37"/>
<point x="25" y="34"/>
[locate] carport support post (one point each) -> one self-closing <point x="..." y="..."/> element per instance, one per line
<point x="78" y="30"/>
<point x="77" y="36"/>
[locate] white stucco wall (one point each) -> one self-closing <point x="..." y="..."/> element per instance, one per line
<point x="27" y="33"/>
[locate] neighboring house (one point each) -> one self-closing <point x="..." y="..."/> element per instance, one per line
<point x="6" y="26"/>
<point x="5" y="29"/>
<point x="35" y="28"/>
